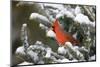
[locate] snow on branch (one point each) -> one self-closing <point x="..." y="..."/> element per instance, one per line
<point x="40" y="53"/>
<point x="40" y="18"/>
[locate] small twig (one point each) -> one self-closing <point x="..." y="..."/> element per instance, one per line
<point x="57" y="56"/>
<point x="24" y="36"/>
<point x="89" y="13"/>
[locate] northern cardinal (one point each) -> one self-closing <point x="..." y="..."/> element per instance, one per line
<point x="62" y="36"/>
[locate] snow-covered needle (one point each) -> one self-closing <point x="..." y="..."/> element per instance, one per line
<point x="40" y="19"/>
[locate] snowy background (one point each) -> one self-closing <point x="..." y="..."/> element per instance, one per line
<point x="32" y="42"/>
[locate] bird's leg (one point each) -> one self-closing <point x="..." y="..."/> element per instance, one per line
<point x="74" y="51"/>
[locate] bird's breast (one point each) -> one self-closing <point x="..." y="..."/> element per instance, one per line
<point x="60" y="37"/>
<point x="63" y="37"/>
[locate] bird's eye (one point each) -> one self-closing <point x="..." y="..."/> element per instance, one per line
<point x="53" y="28"/>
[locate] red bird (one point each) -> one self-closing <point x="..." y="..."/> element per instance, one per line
<point x="62" y="36"/>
